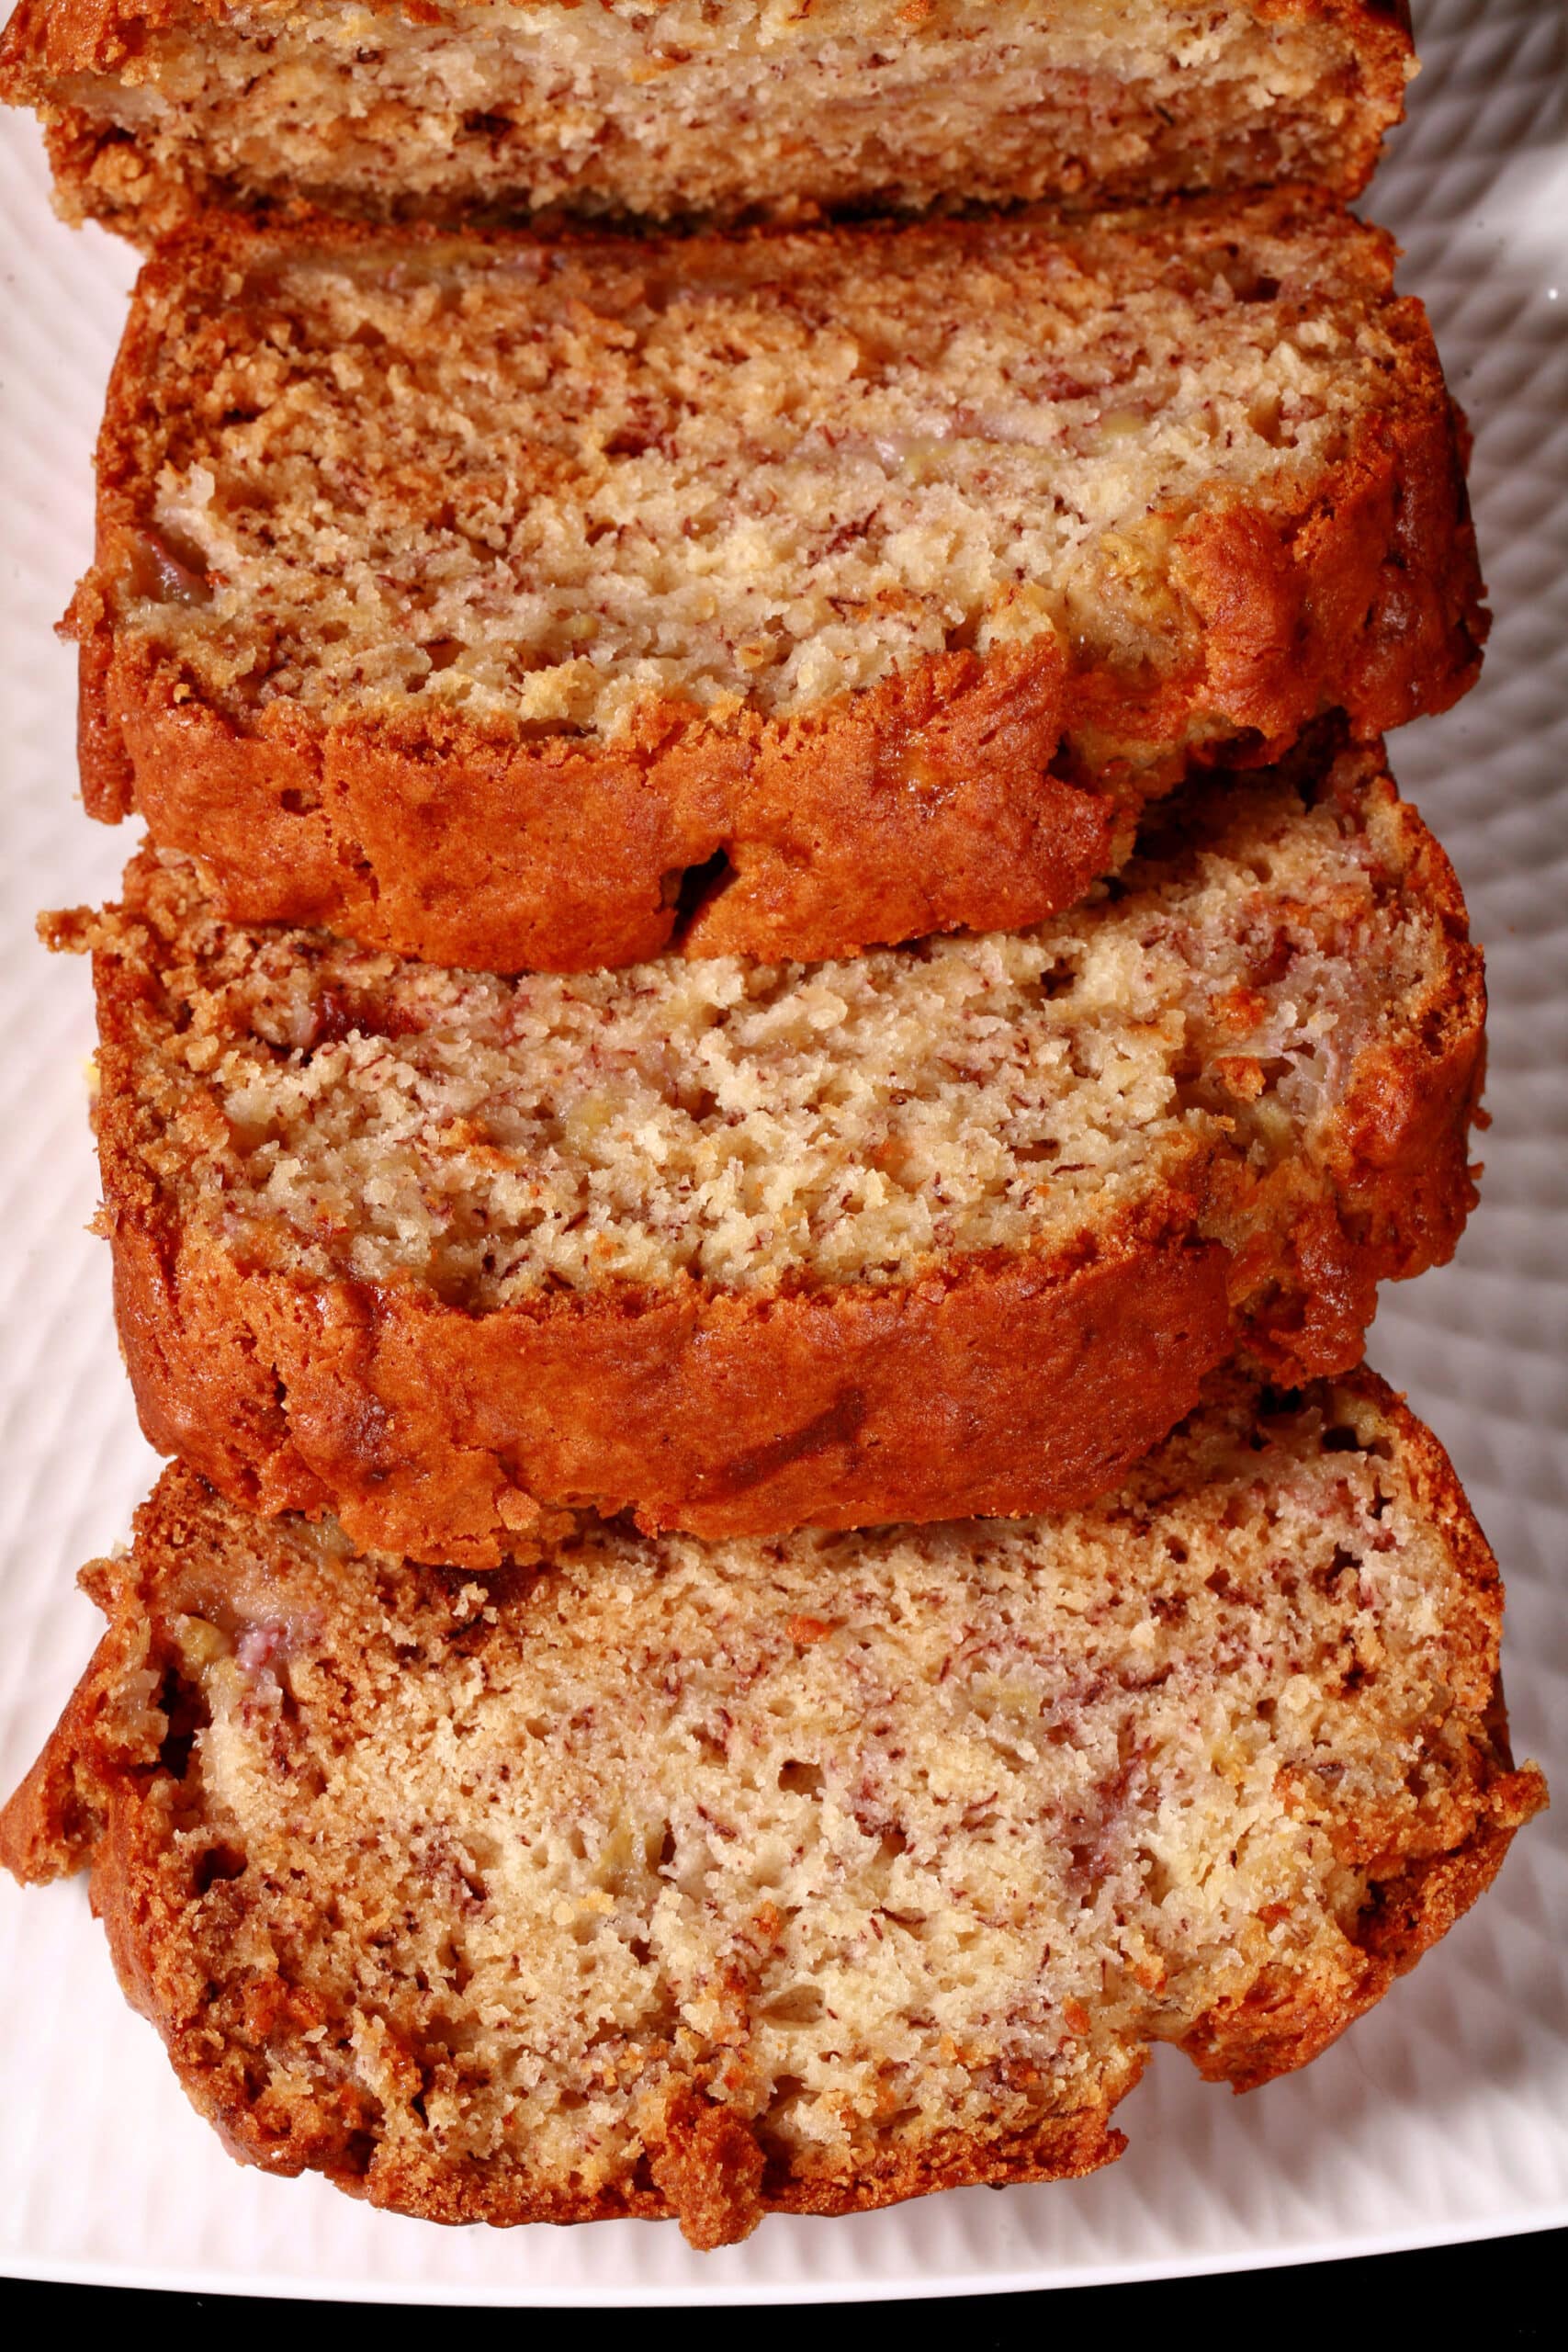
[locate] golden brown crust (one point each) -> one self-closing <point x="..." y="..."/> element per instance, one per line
<point x="1403" y="1182"/>
<point x="925" y="804"/>
<point x="1271" y="2032"/>
<point x="719" y="2184"/>
<point x="964" y="793"/>
<point x="108" y="1794"/>
<point x="1007" y="1389"/>
<point x="55" y="1821"/>
<point x="1000" y="1386"/>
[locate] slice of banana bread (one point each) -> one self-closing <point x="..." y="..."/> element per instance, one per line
<point x="510" y="604"/>
<point x="154" y="108"/>
<point x="653" y="1877"/>
<point x="933" y="1230"/>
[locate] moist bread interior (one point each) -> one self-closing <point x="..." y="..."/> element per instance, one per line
<point x="326" y="1109"/>
<point x="548" y="487"/>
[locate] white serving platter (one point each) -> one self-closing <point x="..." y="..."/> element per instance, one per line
<point x="1443" y="2116"/>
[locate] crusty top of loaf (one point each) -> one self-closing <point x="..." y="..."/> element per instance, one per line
<point x="646" y="1874"/>
<point x="572" y="489"/>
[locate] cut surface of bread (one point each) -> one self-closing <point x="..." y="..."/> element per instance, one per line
<point x="650" y="1877"/>
<point x="932" y="1230"/>
<point x="516" y="603"/>
<point x="675" y="107"/>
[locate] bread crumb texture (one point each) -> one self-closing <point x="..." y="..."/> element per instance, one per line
<point x="325" y="1110"/>
<point x="551" y="488"/>
<point x="664" y="107"/>
<point x="954" y="1228"/>
<point x="523" y="603"/>
<point x="645" y="1876"/>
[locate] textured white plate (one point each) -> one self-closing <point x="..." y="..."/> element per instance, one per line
<point x="1442" y="2116"/>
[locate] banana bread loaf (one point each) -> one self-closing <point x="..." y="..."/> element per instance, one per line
<point x="649" y="1877"/>
<point x="670" y="108"/>
<point x="520" y="604"/>
<point x="930" y="1231"/>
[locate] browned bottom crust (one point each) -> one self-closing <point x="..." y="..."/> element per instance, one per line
<point x="963" y="792"/>
<point x="429" y="1430"/>
<point x="928" y="804"/>
<point x="999" y="1390"/>
<point x="107" y="1792"/>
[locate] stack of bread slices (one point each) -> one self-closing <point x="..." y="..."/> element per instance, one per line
<point x="775" y="1024"/>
